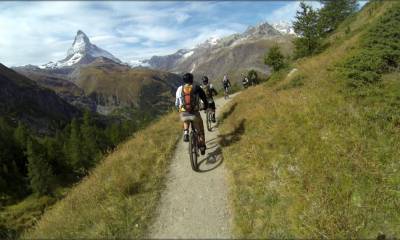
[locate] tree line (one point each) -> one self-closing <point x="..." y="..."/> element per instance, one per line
<point x="311" y="27"/>
<point x="39" y="164"/>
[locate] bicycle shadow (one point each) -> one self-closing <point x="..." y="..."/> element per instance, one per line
<point x="234" y="136"/>
<point x="226" y="114"/>
<point x="213" y="160"/>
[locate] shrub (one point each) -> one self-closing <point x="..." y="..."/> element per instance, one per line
<point x="379" y="51"/>
<point x="275" y="58"/>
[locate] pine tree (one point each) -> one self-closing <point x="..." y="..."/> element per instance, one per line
<point x="306" y="26"/>
<point x="21" y="135"/>
<point x="275" y="58"/>
<point x="39" y="170"/>
<point x="90" y="149"/>
<point x="74" y="149"/>
<point x="334" y="12"/>
<point x="114" y="133"/>
<point x="12" y="162"/>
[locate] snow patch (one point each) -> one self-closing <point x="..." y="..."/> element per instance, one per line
<point x="188" y="54"/>
<point x="283" y="27"/>
<point x="138" y="63"/>
<point x="213" y="40"/>
<point x="193" y="68"/>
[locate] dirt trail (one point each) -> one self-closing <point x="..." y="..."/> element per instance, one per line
<point x="195" y="204"/>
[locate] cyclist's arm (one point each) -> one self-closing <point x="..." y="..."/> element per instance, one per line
<point x="178" y="97"/>
<point x="213" y="90"/>
<point x="202" y="96"/>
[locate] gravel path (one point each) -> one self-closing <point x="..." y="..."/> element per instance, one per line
<point x="195" y="204"/>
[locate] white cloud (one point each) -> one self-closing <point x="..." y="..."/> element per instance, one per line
<point x="288" y="11"/>
<point x="38" y="32"/>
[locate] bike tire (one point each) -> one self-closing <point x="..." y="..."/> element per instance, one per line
<point x="193" y="150"/>
<point x="209" y="120"/>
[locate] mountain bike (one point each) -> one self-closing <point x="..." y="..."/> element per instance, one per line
<point x="193" y="141"/>
<point x="226" y="93"/>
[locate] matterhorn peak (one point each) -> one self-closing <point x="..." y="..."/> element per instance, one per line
<point x="81" y="44"/>
<point x="82" y="51"/>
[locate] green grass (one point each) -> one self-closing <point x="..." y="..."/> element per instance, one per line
<point x="315" y="161"/>
<point x="17" y="217"/>
<point x="118" y="199"/>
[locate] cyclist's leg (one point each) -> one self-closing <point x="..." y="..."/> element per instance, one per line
<point x="185" y="125"/>
<point x="185" y="129"/>
<point x="212" y="106"/>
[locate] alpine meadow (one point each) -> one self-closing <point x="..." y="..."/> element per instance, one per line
<point x="305" y="144"/>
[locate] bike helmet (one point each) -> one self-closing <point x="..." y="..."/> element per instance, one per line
<point x="188" y="78"/>
<point x="205" y="79"/>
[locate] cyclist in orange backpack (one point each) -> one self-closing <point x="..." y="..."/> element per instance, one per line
<point x="187" y="101"/>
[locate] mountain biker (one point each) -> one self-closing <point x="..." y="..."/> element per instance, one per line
<point x="210" y="93"/>
<point x="227" y="84"/>
<point x="245" y="81"/>
<point x="188" y="104"/>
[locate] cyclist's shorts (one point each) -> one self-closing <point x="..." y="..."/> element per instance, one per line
<point x="196" y="118"/>
<point x="185" y="116"/>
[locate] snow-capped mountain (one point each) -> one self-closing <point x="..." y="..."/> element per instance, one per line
<point x="284" y="27"/>
<point x="191" y="59"/>
<point x="82" y="51"/>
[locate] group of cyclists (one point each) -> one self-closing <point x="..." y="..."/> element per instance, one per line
<point x="188" y="97"/>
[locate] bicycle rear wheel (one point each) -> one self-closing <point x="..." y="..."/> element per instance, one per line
<point x="193" y="149"/>
<point x="209" y="118"/>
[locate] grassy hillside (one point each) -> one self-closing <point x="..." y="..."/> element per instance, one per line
<point x="314" y="154"/>
<point x="118" y="198"/>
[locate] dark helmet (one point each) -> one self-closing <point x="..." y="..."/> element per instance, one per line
<point x="188" y="78"/>
<point x="205" y="79"/>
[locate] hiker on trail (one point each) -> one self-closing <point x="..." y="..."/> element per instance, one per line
<point x="188" y="103"/>
<point x="210" y="92"/>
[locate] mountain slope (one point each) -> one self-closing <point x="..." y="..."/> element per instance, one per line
<point x="310" y="155"/>
<point x="21" y="99"/>
<point x="60" y="84"/>
<point x="115" y="87"/>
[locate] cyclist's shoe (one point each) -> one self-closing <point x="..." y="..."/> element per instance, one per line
<point x="213" y="118"/>
<point x="202" y="150"/>
<point x="186" y="136"/>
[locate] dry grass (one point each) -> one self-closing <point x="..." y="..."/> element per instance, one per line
<point x="118" y="198"/>
<point x="308" y="162"/>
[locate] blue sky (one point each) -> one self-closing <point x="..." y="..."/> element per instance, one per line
<point x="40" y="31"/>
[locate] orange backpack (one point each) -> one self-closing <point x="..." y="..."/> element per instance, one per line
<point x="189" y="99"/>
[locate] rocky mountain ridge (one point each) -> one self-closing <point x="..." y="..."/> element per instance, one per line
<point x="230" y="54"/>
